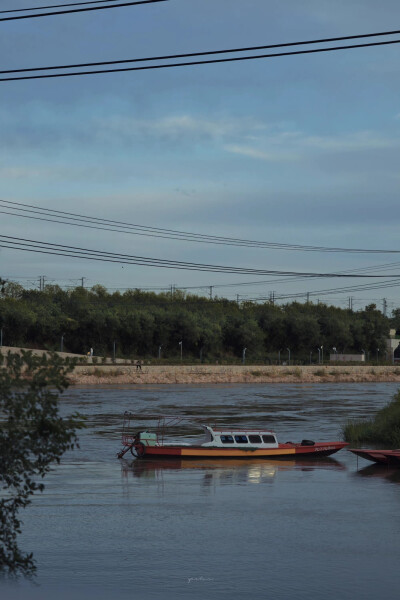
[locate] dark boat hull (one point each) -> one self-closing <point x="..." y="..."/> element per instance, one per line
<point x="283" y="451"/>
<point x="387" y="457"/>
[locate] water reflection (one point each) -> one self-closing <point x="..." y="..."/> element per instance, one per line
<point x="380" y="471"/>
<point x="250" y="471"/>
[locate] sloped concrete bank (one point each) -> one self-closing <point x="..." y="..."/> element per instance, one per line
<point x="84" y="375"/>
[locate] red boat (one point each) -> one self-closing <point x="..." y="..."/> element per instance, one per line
<point x="227" y="442"/>
<point x="387" y="457"/>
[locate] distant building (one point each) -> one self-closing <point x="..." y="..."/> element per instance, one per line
<point x="392" y="344"/>
<point x="347" y="357"/>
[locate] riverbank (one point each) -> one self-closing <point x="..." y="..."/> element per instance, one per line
<point x="154" y="374"/>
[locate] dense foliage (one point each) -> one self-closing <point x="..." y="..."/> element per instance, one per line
<point x="140" y="322"/>
<point x="32" y="437"/>
<point x="383" y="429"/>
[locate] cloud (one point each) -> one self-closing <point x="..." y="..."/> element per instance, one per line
<point x="18" y="172"/>
<point x="260" y="154"/>
<point x="294" y="145"/>
<point x="182" y="126"/>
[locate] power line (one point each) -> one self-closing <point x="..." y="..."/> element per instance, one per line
<point x="198" y="62"/>
<point x="76" y="219"/>
<point x="331" y="291"/>
<point x="206" y="53"/>
<point x="73" y="10"/>
<point x="17" y="10"/>
<point x="89" y="254"/>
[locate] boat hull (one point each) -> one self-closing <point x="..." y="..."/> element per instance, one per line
<point x="283" y="451"/>
<point x="387" y="457"/>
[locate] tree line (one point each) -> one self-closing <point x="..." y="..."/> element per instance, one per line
<point x="146" y="324"/>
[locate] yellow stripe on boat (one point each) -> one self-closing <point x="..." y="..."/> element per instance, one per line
<point x="236" y="452"/>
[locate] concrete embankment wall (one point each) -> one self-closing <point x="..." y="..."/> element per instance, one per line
<point x="150" y="374"/>
<point x="122" y="373"/>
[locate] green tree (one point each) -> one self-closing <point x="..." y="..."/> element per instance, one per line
<point x="32" y="437"/>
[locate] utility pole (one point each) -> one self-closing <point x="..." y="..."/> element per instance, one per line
<point x="308" y="297"/>
<point x="384" y="302"/>
<point x="272" y="298"/>
<point x="83" y="281"/>
<point x="237" y="299"/>
<point x="351" y="303"/>
<point x="211" y="292"/>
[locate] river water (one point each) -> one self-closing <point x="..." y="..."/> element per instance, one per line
<point x="107" y="528"/>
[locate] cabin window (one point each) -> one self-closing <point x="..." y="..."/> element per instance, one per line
<point x="241" y="439"/>
<point x="254" y="439"/>
<point x="269" y="439"/>
<point x="226" y="439"/>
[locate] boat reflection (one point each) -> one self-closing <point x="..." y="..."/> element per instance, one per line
<point x="249" y="471"/>
<point x="380" y="471"/>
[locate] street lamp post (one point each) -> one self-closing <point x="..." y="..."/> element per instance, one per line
<point x="377" y="355"/>
<point x="114" y="345"/>
<point x="180" y="343"/>
<point x="319" y="355"/>
<point x="335" y="351"/>
<point x="322" y="354"/>
<point x="244" y="355"/>
<point x="62" y="343"/>
<point x="363" y="351"/>
<point x="288" y="349"/>
<point x="159" y="351"/>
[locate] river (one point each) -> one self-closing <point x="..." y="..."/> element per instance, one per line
<point x="107" y="528"/>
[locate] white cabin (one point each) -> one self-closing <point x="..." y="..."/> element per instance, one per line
<point x="239" y="438"/>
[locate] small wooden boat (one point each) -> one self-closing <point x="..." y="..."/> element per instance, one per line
<point x="218" y="442"/>
<point x="387" y="457"/>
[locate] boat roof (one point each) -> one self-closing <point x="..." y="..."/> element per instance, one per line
<point x="239" y="429"/>
<point x="177" y="419"/>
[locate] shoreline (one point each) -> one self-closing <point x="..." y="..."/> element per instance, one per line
<point x="213" y="374"/>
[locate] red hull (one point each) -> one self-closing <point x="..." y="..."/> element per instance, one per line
<point x="387" y="457"/>
<point x="283" y="451"/>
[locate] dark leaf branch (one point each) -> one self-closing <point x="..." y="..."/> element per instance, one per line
<point x="33" y="436"/>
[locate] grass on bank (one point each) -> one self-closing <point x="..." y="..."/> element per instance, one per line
<point x="384" y="428"/>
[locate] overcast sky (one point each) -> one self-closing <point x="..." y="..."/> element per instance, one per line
<point x="301" y="149"/>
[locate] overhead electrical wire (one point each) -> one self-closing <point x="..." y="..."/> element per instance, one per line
<point x="329" y="291"/>
<point x="32" y="8"/>
<point x="72" y="10"/>
<point x="206" y="53"/>
<point x="31" y="211"/>
<point x="194" y="63"/>
<point x="104" y="256"/>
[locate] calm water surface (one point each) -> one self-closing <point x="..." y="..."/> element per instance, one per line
<point x="106" y="528"/>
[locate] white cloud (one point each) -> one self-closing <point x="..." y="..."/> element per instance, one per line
<point x="293" y="145"/>
<point x="260" y="154"/>
<point x="21" y="172"/>
<point x="183" y="125"/>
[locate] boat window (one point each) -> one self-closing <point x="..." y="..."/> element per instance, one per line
<point x="269" y="439"/>
<point x="254" y="439"/>
<point x="241" y="439"/>
<point x="226" y="439"/>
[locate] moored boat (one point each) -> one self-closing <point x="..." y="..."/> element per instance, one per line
<point x="387" y="457"/>
<point x="218" y="442"/>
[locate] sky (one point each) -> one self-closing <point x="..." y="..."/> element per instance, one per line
<point x="299" y="150"/>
